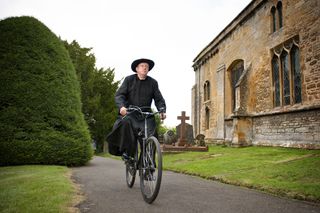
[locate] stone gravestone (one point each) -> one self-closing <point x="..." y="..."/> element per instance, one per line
<point x="169" y="137"/>
<point x="185" y="140"/>
<point x="182" y="137"/>
<point x="182" y="131"/>
<point x="160" y="139"/>
<point x="188" y="133"/>
<point x="200" y="140"/>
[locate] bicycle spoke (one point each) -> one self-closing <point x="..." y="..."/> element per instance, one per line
<point x="150" y="170"/>
<point x="150" y="179"/>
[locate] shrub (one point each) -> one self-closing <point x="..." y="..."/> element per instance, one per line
<point x="40" y="108"/>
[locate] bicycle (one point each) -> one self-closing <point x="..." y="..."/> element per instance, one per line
<point x="147" y="160"/>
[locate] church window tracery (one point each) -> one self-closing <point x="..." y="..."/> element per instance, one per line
<point x="296" y="73"/>
<point x="276" y="80"/>
<point x="236" y="72"/>
<point x="286" y="74"/>
<point x="285" y="77"/>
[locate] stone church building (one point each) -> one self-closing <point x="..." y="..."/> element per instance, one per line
<point x="258" y="81"/>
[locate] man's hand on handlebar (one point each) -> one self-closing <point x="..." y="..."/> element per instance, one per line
<point x="123" y="111"/>
<point x="163" y="115"/>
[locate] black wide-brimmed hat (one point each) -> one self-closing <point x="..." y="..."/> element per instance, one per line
<point x="142" y="60"/>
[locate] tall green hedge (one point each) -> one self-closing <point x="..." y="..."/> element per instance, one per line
<point x="40" y="110"/>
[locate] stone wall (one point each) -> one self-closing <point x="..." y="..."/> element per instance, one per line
<point x="295" y="129"/>
<point x="249" y="38"/>
<point x="305" y="19"/>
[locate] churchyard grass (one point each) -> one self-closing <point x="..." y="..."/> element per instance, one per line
<point x="36" y="189"/>
<point x="287" y="172"/>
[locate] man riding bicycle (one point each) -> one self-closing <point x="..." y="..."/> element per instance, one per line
<point x="139" y="90"/>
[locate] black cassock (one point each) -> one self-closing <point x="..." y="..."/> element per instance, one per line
<point x="133" y="91"/>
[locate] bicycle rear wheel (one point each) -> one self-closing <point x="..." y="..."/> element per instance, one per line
<point x="151" y="170"/>
<point x="130" y="175"/>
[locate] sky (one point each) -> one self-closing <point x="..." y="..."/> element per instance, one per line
<point x="170" y="32"/>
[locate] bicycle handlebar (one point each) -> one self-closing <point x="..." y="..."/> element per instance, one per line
<point x="139" y="109"/>
<point x="132" y="109"/>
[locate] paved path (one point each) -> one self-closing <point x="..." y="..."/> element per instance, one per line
<point x="103" y="182"/>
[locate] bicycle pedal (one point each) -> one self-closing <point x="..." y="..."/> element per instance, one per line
<point x="126" y="157"/>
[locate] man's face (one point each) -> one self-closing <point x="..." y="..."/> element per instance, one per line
<point x="142" y="69"/>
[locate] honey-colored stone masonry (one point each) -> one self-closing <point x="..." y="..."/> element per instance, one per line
<point x="245" y="113"/>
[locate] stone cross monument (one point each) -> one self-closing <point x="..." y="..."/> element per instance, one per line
<point x="182" y="140"/>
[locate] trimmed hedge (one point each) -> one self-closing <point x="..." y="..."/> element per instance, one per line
<point x="40" y="110"/>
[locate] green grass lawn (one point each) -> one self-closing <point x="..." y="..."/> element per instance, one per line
<point x="282" y="171"/>
<point x="287" y="172"/>
<point x="36" y="189"/>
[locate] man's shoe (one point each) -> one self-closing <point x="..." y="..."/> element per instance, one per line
<point x="127" y="159"/>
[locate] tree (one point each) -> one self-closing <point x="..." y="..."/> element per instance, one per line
<point x="105" y="112"/>
<point x="161" y="128"/>
<point x="97" y="92"/>
<point x="40" y="107"/>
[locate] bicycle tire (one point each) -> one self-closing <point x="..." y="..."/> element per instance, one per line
<point x="131" y="171"/>
<point x="130" y="175"/>
<point x="151" y="170"/>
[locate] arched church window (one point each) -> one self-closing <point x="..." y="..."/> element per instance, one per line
<point x="285" y="77"/>
<point x="236" y="72"/>
<point x="273" y="19"/>
<point x="207" y="118"/>
<point x="286" y="73"/>
<point x="295" y="64"/>
<point x="276" y="17"/>
<point x="276" y="80"/>
<point x="279" y="10"/>
<point x="206" y="91"/>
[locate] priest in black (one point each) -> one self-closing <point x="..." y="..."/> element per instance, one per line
<point x="139" y="90"/>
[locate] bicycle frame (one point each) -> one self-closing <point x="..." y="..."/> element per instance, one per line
<point x="149" y="161"/>
<point x="145" y="137"/>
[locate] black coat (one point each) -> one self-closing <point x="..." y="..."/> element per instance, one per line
<point x="133" y="91"/>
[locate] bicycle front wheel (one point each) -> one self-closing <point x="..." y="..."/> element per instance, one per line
<point x="151" y="170"/>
